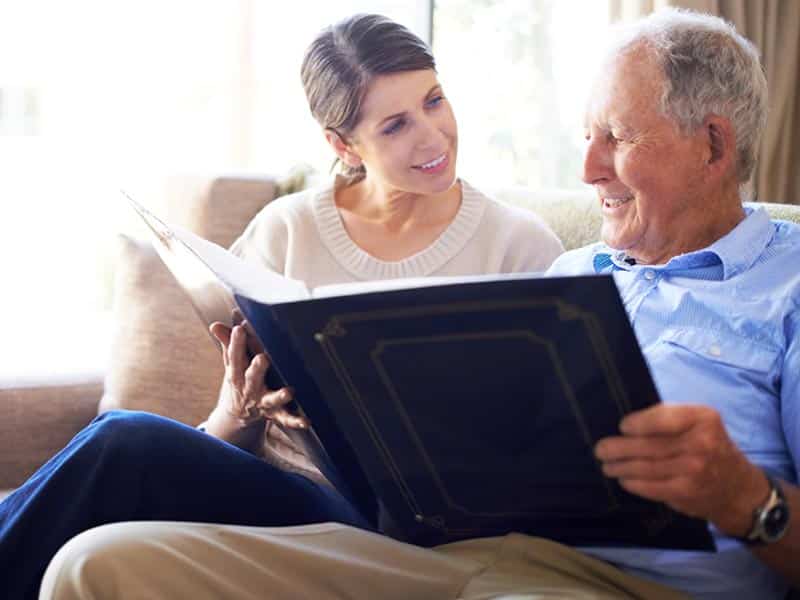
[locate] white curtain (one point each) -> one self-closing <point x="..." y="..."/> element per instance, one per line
<point x="774" y="27"/>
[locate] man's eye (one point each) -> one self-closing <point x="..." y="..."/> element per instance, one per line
<point x="394" y="127"/>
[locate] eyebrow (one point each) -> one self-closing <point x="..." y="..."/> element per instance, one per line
<point x="438" y="86"/>
<point x="608" y="124"/>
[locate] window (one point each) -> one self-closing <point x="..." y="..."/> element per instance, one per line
<point x="19" y="111"/>
<point x="98" y="95"/>
<point x="132" y="91"/>
<point x="281" y="131"/>
<point x="516" y="72"/>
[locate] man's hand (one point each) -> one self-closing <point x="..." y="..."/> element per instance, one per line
<point x="681" y="455"/>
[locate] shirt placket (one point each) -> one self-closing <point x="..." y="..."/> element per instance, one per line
<point x="645" y="280"/>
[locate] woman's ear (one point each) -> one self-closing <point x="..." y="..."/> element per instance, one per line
<point x="342" y="149"/>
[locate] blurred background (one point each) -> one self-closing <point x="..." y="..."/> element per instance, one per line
<point x="96" y="96"/>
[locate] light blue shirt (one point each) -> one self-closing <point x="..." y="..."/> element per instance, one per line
<point x="720" y="327"/>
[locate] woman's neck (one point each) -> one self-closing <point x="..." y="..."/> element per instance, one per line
<point x="393" y="224"/>
<point x="397" y="210"/>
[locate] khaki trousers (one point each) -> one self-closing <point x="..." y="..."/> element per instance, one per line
<point x="325" y="561"/>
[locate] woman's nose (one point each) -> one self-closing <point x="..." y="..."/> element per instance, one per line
<point x="431" y="133"/>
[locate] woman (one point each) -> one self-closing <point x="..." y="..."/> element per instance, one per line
<point x="398" y="211"/>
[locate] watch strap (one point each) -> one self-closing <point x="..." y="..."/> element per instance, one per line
<point x="757" y="535"/>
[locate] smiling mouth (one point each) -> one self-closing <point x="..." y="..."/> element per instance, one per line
<point x="432" y="165"/>
<point x="616" y="202"/>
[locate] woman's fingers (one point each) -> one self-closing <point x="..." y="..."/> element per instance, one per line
<point x="247" y="379"/>
<point x="273" y="406"/>
<point x="237" y="356"/>
<point x="222" y="334"/>
<point x="254" y="378"/>
<point x="289" y="420"/>
<point x="275" y="399"/>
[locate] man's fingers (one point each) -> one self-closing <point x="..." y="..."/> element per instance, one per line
<point x="664" y="419"/>
<point x="654" y="470"/>
<point x="676" y="493"/>
<point x="658" y="490"/>
<point x="662" y="432"/>
<point x="626" y="447"/>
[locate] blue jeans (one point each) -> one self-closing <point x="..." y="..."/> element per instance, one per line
<point x="133" y="466"/>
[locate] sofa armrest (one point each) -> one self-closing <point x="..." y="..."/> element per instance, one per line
<point x="38" y="417"/>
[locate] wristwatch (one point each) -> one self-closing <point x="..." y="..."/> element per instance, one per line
<point x="771" y="519"/>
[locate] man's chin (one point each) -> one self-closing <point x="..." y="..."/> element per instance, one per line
<point x="617" y="240"/>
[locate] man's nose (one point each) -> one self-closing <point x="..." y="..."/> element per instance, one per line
<point x="598" y="164"/>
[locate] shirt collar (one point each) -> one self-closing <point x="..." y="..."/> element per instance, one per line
<point x="736" y="251"/>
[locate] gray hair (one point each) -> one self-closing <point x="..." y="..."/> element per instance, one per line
<point x="708" y="68"/>
<point x="344" y="58"/>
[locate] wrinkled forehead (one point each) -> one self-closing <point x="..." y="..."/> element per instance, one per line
<point x="628" y="86"/>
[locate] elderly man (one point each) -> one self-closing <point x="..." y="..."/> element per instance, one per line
<point x="712" y="289"/>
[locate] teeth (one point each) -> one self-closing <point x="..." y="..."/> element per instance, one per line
<point x="614" y="202"/>
<point x="433" y="163"/>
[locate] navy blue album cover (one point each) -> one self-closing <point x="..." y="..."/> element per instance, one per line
<point x="451" y="408"/>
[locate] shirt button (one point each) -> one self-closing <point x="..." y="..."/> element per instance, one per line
<point x="649" y="275"/>
<point x="715" y="351"/>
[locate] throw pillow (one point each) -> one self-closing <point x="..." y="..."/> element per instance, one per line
<point x="162" y="358"/>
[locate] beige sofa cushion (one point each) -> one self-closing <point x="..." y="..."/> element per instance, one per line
<point x="219" y="209"/>
<point x="574" y="215"/>
<point x="162" y="358"/>
<point x="37" y="419"/>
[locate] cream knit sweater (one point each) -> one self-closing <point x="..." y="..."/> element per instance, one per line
<point x="302" y="236"/>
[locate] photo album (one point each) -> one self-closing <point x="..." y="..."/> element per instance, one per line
<point x="449" y="408"/>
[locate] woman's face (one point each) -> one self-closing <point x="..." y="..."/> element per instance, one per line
<point x="407" y="137"/>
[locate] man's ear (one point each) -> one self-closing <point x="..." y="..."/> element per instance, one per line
<point x="343" y="150"/>
<point x="721" y="144"/>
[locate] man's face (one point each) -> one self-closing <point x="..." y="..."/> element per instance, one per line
<point x="648" y="176"/>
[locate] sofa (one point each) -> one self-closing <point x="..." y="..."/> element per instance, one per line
<point x="161" y="359"/>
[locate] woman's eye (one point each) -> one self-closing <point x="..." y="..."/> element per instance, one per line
<point x="435" y="101"/>
<point x="394" y="127"/>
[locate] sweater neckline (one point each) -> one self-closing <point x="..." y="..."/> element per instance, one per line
<point x="364" y="266"/>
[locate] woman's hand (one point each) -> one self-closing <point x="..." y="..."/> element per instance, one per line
<point x="245" y="401"/>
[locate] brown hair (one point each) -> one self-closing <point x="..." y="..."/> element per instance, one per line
<point x="343" y="60"/>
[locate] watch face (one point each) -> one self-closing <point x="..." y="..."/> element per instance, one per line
<point x="775" y="522"/>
